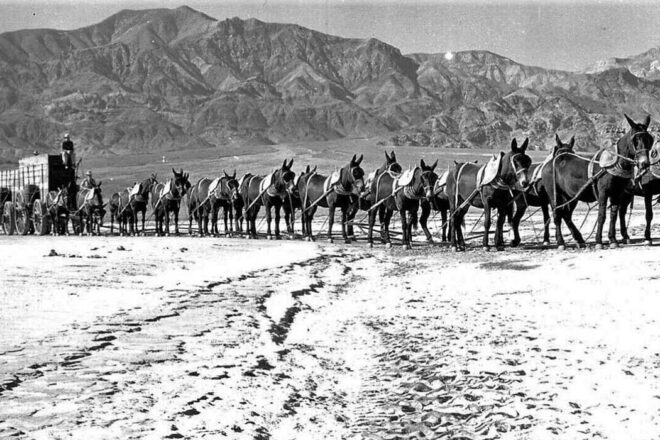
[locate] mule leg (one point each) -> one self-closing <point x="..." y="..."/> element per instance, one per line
<point x="546" y="223"/>
<point x="370" y="233"/>
<point x="277" y="221"/>
<point x="344" y="226"/>
<point x="144" y="213"/>
<point x="404" y="230"/>
<point x="557" y="215"/>
<point x="648" y="207"/>
<point x="614" y="213"/>
<point x="445" y="225"/>
<point x="387" y="216"/>
<point x="230" y="212"/>
<point x="521" y="207"/>
<point x="502" y="215"/>
<point x="331" y="220"/>
<point x="623" y="210"/>
<point x="423" y="219"/>
<point x="352" y="213"/>
<point x="602" y="213"/>
<point x="487" y="213"/>
<point x="269" y="219"/>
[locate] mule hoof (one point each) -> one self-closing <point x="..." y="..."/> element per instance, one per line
<point x="647" y="242"/>
<point x="627" y="241"/>
<point x="407" y="247"/>
<point x="347" y="240"/>
<point x="331" y="240"/>
<point x="561" y="247"/>
<point x="371" y="245"/>
<point x="454" y="249"/>
<point x="598" y="246"/>
<point x="278" y="237"/>
<point x="614" y="245"/>
<point x="499" y="248"/>
<point x="581" y="245"/>
<point x="430" y="240"/>
<point x="486" y="248"/>
<point x="388" y="245"/>
<point x="291" y="237"/>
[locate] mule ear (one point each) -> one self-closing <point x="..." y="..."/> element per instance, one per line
<point x="524" y="145"/>
<point x="315" y="168"/>
<point x="646" y="123"/>
<point x="225" y="173"/>
<point x="393" y="156"/>
<point x="234" y="175"/>
<point x="307" y="170"/>
<point x="180" y="171"/>
<point x="387" y="156"/>
<point x="174" y="171"/>
<point x="514" y="144"/>
<point x="353" y="159"/>
<point x="284" y="164"/>
<point x="359" y="161"/>
<point x="630" y="121"/>
<point x="571" y="142"/>
<point x="557" y="140"/>
<point x="435" y="164"/>
<point x="99" y="184"/>
<point x="422" y="164"/>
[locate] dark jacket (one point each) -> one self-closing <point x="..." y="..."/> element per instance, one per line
<point x="67" y="145"/>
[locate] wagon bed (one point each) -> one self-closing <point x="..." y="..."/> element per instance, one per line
<point x="23" y="192"/>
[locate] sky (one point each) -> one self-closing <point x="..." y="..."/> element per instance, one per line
<point x="559" y="34"/>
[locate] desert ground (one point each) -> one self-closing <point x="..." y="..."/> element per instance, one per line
<point x="216" y="337"/>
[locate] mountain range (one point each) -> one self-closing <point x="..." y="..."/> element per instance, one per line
<point x="165" y="79"/>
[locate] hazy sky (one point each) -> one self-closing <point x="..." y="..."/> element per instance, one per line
<point x="559" y="34"/>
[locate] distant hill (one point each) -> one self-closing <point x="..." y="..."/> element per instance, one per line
<point x="164" y="79"/>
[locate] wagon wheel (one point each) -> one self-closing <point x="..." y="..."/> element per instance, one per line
<point x="8" y="219"/>
<point x="40" y="218"/>
<point x="22" y="219"/>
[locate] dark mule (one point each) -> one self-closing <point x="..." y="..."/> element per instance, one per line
<point x="125" y="215"/>
<point x="341" y="193"/>
<point x="345" y="186"/>
<point x="113" y="207"/>
<point x="206" y="198"/>
<point x="646" y="185"/>
<point x="166" y="200"/>
<point x="407" y="192"/>
<point x="371" y="200"/>
<point x="270" y="191"/>
<point x="90" y="209"/>
<point x="439" y="202"/>
<point x="568" y="180"/>
<point x="464" y="191"/>
<point x="57" y="205"/>
<point x="139" y="199"/>
<point x="295" y="203"/>
<point x="535" y="196"/>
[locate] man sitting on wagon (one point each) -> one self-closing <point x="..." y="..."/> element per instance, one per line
<point x="68" y="155"/>
<point x="89" y="181"/>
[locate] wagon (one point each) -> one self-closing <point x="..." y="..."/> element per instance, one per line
<point x="23" y="193"/>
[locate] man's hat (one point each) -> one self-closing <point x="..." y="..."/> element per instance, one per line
<point x="88" y="173"/>
<point x="66" y="135"/>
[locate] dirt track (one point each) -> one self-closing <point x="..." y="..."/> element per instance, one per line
<point x="191" y="338"/>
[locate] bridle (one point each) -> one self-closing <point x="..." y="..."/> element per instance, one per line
<point x="351" y="180"/>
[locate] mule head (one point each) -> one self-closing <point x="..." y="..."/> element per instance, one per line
<point x="231" y="185"/>
<point x="428" y="178"/>
<point x="284" y="177"/>
<point x="560" y="146"/>
<point x="515" y="164"/>
<point x="352" y="175"/>
<point x="637" y="143"/>
<point x="391" y="164"/>
<point x="181" y="182"/>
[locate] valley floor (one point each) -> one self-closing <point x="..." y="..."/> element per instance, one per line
<point x="224" y="338"/>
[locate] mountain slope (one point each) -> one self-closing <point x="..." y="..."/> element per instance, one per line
<point x="165" y="79"/>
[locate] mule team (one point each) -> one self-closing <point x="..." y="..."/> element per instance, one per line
<point x="509" y="183"/>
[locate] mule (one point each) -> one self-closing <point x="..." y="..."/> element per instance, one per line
<point x="341" y="190"/>
<point x="464" y="191"/>
<point x="57" y="206"/>
<point x="271" y="191"/>
<point x="439" y="202"/>
<point x="390" y="169"/>
<point x="205" y="200"/>
<point x="571" y="178"/>
<point x="406" y="193"/>
<point x="139" y="199"/>
<point x="90" y="209"/>
<point x="166" y="200"/>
